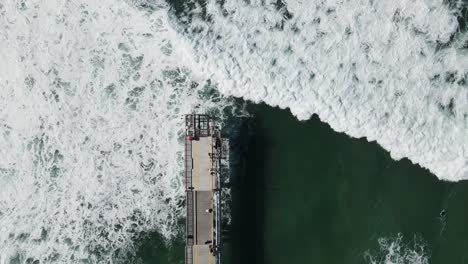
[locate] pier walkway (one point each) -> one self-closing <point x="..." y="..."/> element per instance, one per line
<point x="204" y="150"/>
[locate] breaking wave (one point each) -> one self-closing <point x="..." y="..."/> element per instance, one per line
<point x="392" y="71"/>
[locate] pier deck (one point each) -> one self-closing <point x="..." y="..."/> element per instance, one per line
<point x="204" y="149"/>
<point x="201" y="151"/>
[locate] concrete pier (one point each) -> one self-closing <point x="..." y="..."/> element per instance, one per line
<point x="204" y="151"/>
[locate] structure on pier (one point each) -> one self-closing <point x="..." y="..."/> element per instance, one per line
<point x="205" y="149"/>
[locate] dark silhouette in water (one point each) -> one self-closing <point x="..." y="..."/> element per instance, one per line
<point x="443" y="213"/>
<point x="248" y="156"/>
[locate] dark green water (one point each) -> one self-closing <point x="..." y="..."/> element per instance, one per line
<point x="303" y="193"/>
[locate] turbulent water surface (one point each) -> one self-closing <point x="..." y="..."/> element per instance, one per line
<point x="392" y="71"/>
<point x="91" y="95"/>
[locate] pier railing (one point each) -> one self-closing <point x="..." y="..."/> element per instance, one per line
<point x="199" y="125"/>
<point x="188" y="164"/>
<point x="189" y="255"/>
<point x="190" y="219"/>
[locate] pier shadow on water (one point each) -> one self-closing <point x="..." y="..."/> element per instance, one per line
<point x="245" y="238"/>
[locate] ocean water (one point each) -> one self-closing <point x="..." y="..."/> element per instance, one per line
<point x="92" y="94"/>
<point x="305" y="194"/>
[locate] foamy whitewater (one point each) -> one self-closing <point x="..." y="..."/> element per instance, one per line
<point x="91" y="102"/>
<point x="91" y="95"/>
<point x="392" y="71"/>
<point x="394" y="250"/>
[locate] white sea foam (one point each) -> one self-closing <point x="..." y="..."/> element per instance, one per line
<point x="91" y="98"/>
<point x="394" y="250"/>
<point x="392" y="71"/>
